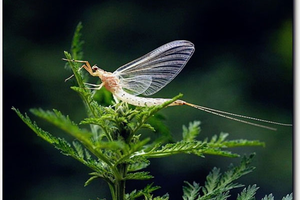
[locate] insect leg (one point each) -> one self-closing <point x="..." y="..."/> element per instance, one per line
<point x="116" y="99"/>
<point x="86" y="65"/>
<point x="73" y="74"/>
<point x="96" y="87"/>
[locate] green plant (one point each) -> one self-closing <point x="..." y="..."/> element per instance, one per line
<point x="116" y="150"/>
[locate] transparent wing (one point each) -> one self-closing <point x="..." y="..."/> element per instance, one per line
<point x="151" y="72"/>
<point x="136" y="84"/>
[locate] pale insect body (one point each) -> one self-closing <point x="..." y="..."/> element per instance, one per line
<point x="150" y="73"/>
<point x="142" y="101"/>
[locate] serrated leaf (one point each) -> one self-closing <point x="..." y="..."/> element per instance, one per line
<point x="248" y="193"/>
<point x="138" y="176"/>
<point x="147" y="126"/>
<point x="164" y="197"/>
<point x="146" y="192"/>
<point x="268" y="197"/>
<point x="78" y="149"/>
<point x="218" y="185"/>
<point x="87" y="155"/>
<point x="176" y="148"/>
<point x="288" y="197"/>
<point x="58" y="119"/>
<point x="59" y="143"/>
<point x="191" y="132"/>
<point x="242" y="142"/>
<point x="63" y="122"/>
<point x="32" y="125"/>
<point x="191" y="192"/>
<point x="212" y="181"/>
<point x="137" y="163"/>
<point x="222" y="196"/>
<point x="77" y="43"/>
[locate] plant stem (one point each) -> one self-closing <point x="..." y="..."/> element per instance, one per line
<point x="120" y="183"/>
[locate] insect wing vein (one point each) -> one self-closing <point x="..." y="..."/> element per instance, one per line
<point x="151" y="72"/>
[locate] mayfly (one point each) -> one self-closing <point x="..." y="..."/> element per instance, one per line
<point x="150" y="73"/>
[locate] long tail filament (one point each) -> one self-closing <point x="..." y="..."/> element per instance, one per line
<point x="225" y="115"/>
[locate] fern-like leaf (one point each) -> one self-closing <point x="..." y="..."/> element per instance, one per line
<point x="190" y="133"/>
<point x="288" y="197"/>
<point x="138" y="176"/>
<point x="137" y="163"/>
<point x="248" y="193"/>
<point x="191" y="191"/>
<point x="32" y="125"/>
<point x="77" y="43"/>
<point x="268" y="197"/>
<point x="146" y="193"/>
<point x="218" y="185"/>
<point x="58" y="119"/>
<point x="157" y="151"/>
<point x="215" y="146"/>
<point x="62" y="145"/>
<point x="212" y="181"/>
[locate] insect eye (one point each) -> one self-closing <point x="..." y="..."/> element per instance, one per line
<point x="94" y="68"/>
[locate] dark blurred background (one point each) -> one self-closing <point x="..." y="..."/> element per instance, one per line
<point x="243" y="64"/>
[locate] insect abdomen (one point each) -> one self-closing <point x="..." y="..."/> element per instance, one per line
<point x="140" y="101"/>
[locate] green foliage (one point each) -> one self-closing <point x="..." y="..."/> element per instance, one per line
<point x="115" y="149"/>
<point x="191" y="132"/>
<point x="271" y="197"/>
<point x="248" y="193"/>
<point x="218" y="185"/>
<point x="77" y="44"/>
<point x="146" y="193"/>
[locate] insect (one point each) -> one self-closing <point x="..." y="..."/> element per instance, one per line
<point x="150" y="73"/>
